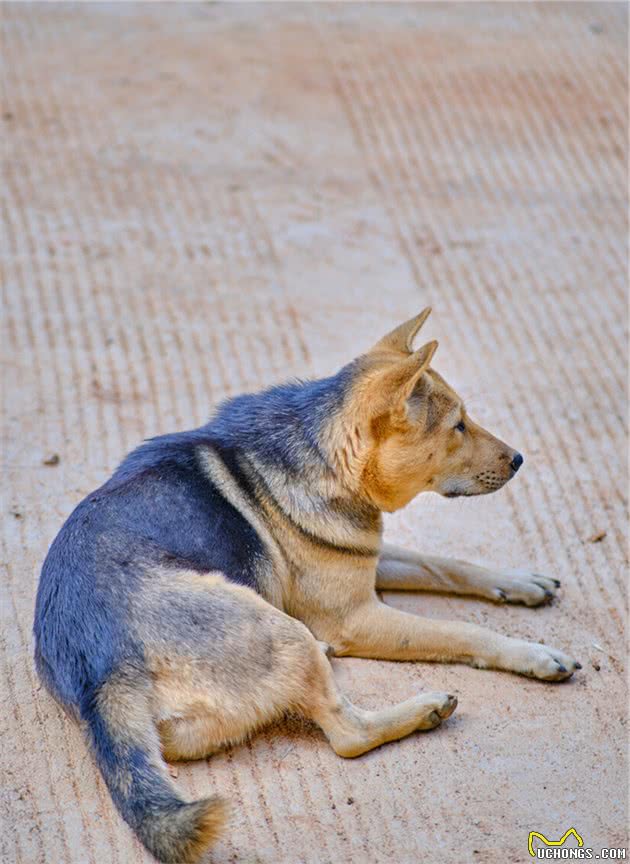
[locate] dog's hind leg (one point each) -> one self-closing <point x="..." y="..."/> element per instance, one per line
<point x="353" y="731"/>
<point x="215" y="692"/>
<point x="399" y="569"/>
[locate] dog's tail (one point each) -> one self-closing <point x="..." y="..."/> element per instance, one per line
<point x="127" y="748"/>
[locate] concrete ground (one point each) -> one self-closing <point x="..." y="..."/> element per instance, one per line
<point x="204" y="199"/>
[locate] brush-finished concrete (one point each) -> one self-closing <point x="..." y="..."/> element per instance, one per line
<point x="208" y="198"/>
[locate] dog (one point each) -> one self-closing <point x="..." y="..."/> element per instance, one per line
<point x="197" y="595"/>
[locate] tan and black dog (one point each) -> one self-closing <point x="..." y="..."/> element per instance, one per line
<point x="195" y="596"/>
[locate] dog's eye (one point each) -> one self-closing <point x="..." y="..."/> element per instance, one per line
<point x="461" y="426"/>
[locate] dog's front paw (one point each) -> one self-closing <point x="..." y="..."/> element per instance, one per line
<point x="541" y="661"/>
<point x="522" y="586"/>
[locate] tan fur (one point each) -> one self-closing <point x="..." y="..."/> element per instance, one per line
<point x="394" y="439"/>
<point x="198" y="711"/>
<point x="211" y="825"/>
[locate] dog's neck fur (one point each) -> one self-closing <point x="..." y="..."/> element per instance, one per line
<point x="294" y="445"/>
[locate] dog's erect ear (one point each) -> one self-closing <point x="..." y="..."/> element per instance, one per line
<point x="396" y="384"/>
<point x="401" y="338"/>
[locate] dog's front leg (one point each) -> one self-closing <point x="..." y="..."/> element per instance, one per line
<point x="381" y="632"/>
<point x="399" y="569"/>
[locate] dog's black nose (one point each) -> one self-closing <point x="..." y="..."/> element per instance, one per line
<point x="516" y="462"/>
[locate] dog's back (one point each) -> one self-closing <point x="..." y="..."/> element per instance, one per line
<point x="158" y="509"/>
<point x="159" y="512"/>
<point x="104" y="602"/>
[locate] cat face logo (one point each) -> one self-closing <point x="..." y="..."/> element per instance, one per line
<point x="560" y="842"/>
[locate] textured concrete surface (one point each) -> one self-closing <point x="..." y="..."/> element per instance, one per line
<point x="205" y="199"/>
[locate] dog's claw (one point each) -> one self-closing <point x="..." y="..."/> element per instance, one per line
<point x="433" y="708"/>
<point x="451" y="705"/>
<point x="578" y="665"/>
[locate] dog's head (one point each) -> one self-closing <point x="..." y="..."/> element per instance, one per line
<point x="409" y="432"/>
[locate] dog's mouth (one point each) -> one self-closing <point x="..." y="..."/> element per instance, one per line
<point x="478" y="486"/>
<point x="462" y="493"/>
<point x="469" y="494"/>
